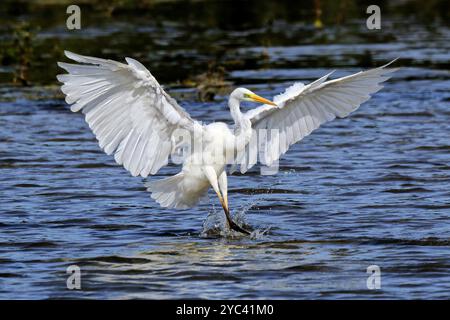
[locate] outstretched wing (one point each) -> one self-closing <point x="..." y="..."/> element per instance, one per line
<point x="126" y="108"/>
<point x="302" y="109"/>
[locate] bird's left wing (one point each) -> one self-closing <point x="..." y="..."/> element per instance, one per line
<point x="302" y="109"/>
<point x="126" y="108"/>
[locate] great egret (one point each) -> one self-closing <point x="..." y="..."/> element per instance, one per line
<point x="133" y="118"/>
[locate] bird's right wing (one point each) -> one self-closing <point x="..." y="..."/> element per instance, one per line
<point x="302" y="109"/>
<point x="126" y="108"/>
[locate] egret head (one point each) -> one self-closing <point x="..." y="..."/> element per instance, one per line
<point x="243" y="94"/>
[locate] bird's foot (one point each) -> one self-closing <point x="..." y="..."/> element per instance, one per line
<point x="234" y="226"/>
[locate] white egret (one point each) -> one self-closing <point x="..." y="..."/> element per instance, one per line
<point x="133" y="118"/>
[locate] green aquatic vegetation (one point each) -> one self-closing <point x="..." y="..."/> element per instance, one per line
<point x="210" y="83"/>
<point x="19" y="52"/>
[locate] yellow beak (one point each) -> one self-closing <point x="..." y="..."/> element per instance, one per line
<point x="257" y="98"/>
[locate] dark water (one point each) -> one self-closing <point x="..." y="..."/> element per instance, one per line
<point x="372" y="189"/>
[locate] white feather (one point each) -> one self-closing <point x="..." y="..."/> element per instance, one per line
<point x="303" y="108"/>
<point x="119" y="101"/>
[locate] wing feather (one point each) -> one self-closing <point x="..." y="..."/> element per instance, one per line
<point x="130" y="114"/>
<point x="302" y="109"/>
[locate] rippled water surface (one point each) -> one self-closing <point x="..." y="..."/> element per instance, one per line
<point x="372" y="189"/>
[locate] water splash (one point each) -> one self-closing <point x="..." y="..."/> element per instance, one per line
<point x="215" y="223"/>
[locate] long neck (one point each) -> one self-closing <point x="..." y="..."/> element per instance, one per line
<point x="235" y="111"/>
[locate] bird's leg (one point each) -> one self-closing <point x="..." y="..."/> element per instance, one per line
<point x="223" y="184"/>
<point x="212" y="177"/>
<point x="231" y="224"/>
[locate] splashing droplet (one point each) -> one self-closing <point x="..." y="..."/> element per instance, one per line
<point x="215" y="223"/>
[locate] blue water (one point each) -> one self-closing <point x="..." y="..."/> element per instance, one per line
<point x="371" y="189"/>
<point x="368" y="190"/>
